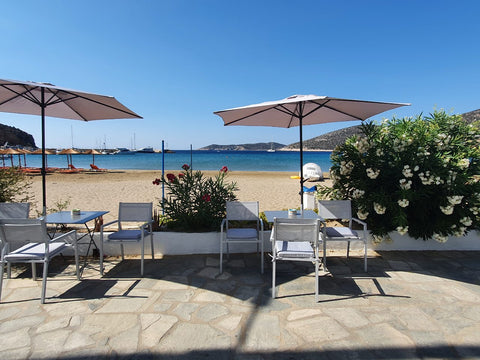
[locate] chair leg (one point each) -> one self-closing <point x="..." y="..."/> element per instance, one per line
<point x="143" y="254"/>
<point x="1" y="279"/>
<point x="316" y="280"/>
<point x="151" y="246"/>
<point x="365" y="257"/>
<point x="348" y="250"/>
<point x="221" y="255"/>
<point x="34" y="271"/>
<point x="261" y="256"/>
<point x="101" y="253"/>
<point x="77" y="260"/>
<point x="274" y="268"/>
<point x="325" y="255"/>
<point x="121" y="250"/>
<point x="44" y="281"/>
<point x="9" y="271"/>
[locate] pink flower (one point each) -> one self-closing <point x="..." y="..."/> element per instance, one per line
<point x="185" y="167"/>
<point x="181" y="175"/>
<point x="156" y="182"/>
<point x="206" y="198"/>
<point x="224" y="169"/>
<point x="171" y="177"/>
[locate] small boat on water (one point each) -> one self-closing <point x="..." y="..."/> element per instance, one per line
<point x="123" y="151"/>
<point x="146" y="150"/>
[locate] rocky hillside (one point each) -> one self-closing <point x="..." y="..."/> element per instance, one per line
<point x="327" y="141"/>
<point x="15" y="137"/>
<point x="472" y="116"/>
<point x="251" y="147"/>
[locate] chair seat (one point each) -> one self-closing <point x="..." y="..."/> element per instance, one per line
<point x="341" y="233"/>
<point x="294" y="249"/>
<point x="35" y="251"/>
<point x="246" y="233"/>
<point x="127" y="235"/>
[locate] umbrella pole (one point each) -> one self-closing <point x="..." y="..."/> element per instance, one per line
<point x="300" y="118"/>
<point x="44" y="187"/>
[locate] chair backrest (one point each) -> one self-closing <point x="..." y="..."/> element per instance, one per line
<point x="23" y="231"/>
<point x="14" y="210"/>
<point x="135" y="212"/>
<point x="335" y="209"/>
<point x="296" y="229"/>
<point x="242" y="210"/>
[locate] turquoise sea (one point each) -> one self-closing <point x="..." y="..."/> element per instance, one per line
<point x="200" y="160"/>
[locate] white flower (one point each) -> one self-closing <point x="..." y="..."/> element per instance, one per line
<point x="405" y="184"/>
<point x="460" y="231"/>
<point x="362" y="145"/>
<point x="416" y="168"/>
<point x="379" y="152"/>
<point x="455" y="199"/>
<point x="440" y="238"/>
<point x="403" y="202"/>
<point x="379" y="209"/>
<point x="372" y="174"/>
<point x="464" y="163"/>
<point x="357" y="193"/>
<point x="362" y="214"/>
<point x="402" y="230"/>
<point x="346" y="168"/>
<point x="466" y="221"/>
<point x="447" y="210"/>
<point x="407" y="172"/>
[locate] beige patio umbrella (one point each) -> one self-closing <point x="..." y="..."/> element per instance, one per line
<point x="11" y="152"/>
<point x="25" y="97"/>
<point x="299" y="110"/>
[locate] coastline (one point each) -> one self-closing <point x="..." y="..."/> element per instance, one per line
<point x="104" y="190"/>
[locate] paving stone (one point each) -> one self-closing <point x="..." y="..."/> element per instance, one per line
<point x="211" y="311"/>
<point x="122" y="305"/>
<point x="209" y="272"/>
<point x="27" y="321"/>
<point x="154" y="327"/>
<point x="125" y="342"/>
<point x="303" y="313"/>
<point x="384" y="336"/>
<point x="77" y="340"/>
<point x="262" y="333"/>
<point x="54" y="324"/>
<point x="317" y="328"/>
<point x="108" y="324"/>
<point x="212" y="261"/>
<point x="348" y="317"/>
<point x="15" y="339"/>
<point x="172" y="283"/>
<point x="178" y="295"/>
<point x="230" y="323"/>
<point x="194" y="337"/>
<point x="50" y="344"/>
<point x="209" y="296"/>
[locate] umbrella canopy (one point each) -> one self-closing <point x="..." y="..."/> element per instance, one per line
<point x="11" y="152"/>
<point x="69" y="153"/>
<point x="92" y="152"/>
<point x="299" y="110"/>
<point x="45" y="99"/>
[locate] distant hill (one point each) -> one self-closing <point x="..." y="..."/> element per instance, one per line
<point x="472" y="116"/>
<point x="250" y="147"/>
<point x="328" y="141"/>
<point x="15" y="137"/>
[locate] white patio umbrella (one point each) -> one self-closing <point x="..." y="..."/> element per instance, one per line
<point x="299" y="110"/>
<point x="25" y="97"/>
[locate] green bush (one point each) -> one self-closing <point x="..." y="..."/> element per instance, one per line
<point x="196" y="203"/>
<point x="413" y="175"/>
<point x="13" y="186"/>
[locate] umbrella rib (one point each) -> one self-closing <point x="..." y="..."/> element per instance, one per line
<point x="26" y="95"/>
<point x="245" y="117"/>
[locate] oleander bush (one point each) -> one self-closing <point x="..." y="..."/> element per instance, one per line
<point x="418" y="176"/>
<point x="196" y="203"/>
<point x="14" y="186"/>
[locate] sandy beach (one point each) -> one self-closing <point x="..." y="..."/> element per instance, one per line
<point x="104" y="190"/>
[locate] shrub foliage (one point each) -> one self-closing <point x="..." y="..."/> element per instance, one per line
<point x="13" y="186"/>
<point x="413" y="175"/>
<point x="195" y="202"/>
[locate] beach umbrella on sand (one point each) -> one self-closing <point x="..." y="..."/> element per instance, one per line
<point x="92" y="152"/>
<point x="47" y="152"/>
<point x="69" y="153"/>
<point x="299" y="110"/>
<point x="11" y="152"/>
<point x="45" y="99"/>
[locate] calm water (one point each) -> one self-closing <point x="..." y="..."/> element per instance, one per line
<point x="201" y="160"/>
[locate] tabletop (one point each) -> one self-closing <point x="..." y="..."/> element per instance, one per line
<point x="306" y="214"/>
<point x="66" y="217"/>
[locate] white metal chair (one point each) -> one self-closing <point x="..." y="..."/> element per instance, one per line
<point x="130" y="213"/>
<point x="241" y="211"/>
<point x="341" y="210"/>
<point x="295" y="240"/>
<point x="14" y="210"/>
<point x="32" y="244"/>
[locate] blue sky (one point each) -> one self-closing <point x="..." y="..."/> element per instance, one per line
<point x="176" y="62"/>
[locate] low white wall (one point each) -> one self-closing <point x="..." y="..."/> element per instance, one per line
<point x="174" y="243"/>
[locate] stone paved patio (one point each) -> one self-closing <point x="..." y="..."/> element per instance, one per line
<point x="410" y="305"/>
